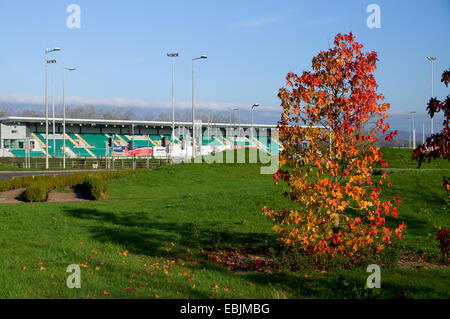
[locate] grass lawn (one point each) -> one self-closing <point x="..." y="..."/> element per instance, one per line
<point x="146" y="240"/>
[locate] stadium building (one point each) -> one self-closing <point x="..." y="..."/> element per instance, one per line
<point x="90" y="138"/>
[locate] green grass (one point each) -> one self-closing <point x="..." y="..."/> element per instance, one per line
<point x="402" y="158"/>
<point x="8" y="167"/>
<point x="146" y="240"/>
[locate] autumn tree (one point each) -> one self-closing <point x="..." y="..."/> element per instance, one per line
<point x="437" y="145"/>
<point x="339" y="206"/>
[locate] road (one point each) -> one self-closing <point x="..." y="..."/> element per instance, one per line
<point x="5" y="175"/>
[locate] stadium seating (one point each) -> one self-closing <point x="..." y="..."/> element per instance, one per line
<point x="93" y="145"/>
<point x="95" y="140"/>
<point x="21" y="153"/>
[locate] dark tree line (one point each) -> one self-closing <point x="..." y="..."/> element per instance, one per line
<point x="118" y="113"/>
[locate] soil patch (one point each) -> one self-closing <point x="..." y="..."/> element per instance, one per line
<point x="63" y="194"/>
<point x="408" y="262"/>
<point x="240" y="261"/>
<point x="259" y="261"/>
<point x="66" y="194"/>
<point x="12" y="197"/>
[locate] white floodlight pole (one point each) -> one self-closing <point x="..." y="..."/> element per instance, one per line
<point x="253" y="106"/>
<point x="46" y="110"/>
<point x="46" y="62"/>
<point x="423" y="133"/>
<point x="53" y="112"/>
<point x="64" y="113"/>
<point x="173" y="55"/>
<point x="409" y="132"/>
<point x="431" y="59"/>
<point x="231" y="122"/>
<point x="234" y="118"/>
<point x="239" y="120"/>
<point x="209" y="122"/>
<point x="413" y="130"/>
<point x="193" y="114"/>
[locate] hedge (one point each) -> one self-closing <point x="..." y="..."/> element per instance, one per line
<point x="35" y="186"/>
<point x="36" y="192"/>
<point x="94" y="187"/>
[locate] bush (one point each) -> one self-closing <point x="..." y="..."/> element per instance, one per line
<point x="95" y="187"/>
<point x="36" y="192"/>
<point x="56" y="181"/>
<point x="443" y="236"/>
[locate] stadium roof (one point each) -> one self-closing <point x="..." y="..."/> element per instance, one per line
<point x="102" y="122"/>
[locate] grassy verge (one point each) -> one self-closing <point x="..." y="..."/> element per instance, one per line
<point x="146" y="240"/>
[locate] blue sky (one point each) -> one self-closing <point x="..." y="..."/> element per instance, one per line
<point x="120" y="49"/>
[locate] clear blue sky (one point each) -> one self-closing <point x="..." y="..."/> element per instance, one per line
<point x="251" y="45"/>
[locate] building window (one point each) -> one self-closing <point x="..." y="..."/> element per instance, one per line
<point x="13" y="143"/>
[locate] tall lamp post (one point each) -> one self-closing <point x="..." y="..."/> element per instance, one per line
<point x="193" y="114"/>
<point x="431" y="59"/>
<point x="423" y="133"/>
<point x="64" y="113"/>
<point x="409" y="132"/>
<point x="253" y="106"/>
<point x="209" y="123"/>
<point x="231" y="121"/>
<point x="173" y="55"/>
<point x="231" y="114"/>
<point x="413" y="130"/>
<point x="53" y="112"/>
<point x="47" y="62"/>
<point x="234" y="123"/>
<point x="239" y="120"/>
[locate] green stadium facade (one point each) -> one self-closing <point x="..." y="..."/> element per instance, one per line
<point x="90" y="138"/>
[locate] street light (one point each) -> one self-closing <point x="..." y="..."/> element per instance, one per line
<point x="409" y="132"/>
<point x="209" y="123"/>
<point x="413" y="130"/>
<point x="193" y="114"/>
<point x="431" y="59"/>
<point x="231" y="114"/>
<point x="46" y="62"/>
<point x="423" y="133"/>
<point x="173" y="55"/>
<point x="253" y="106"/>
<point x="239" y="120"/>
<point x="64" y="113"/>
<point x="53" y="111"/>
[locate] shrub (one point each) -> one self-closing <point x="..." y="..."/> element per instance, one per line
<point x="443" y="236"/>
<point x="56" y="181"/>
<point x="94" y="187"/>
<point x="36" y="192"/>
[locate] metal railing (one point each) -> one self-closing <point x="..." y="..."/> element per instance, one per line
<point x="84" y="163"/>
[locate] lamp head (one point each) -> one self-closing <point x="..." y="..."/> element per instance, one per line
<point x="52" y="50"/>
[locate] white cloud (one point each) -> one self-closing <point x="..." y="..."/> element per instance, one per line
<point x="256" y="23"/>
<point x="21" y="99"/>
<point x="126" y="102"/>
